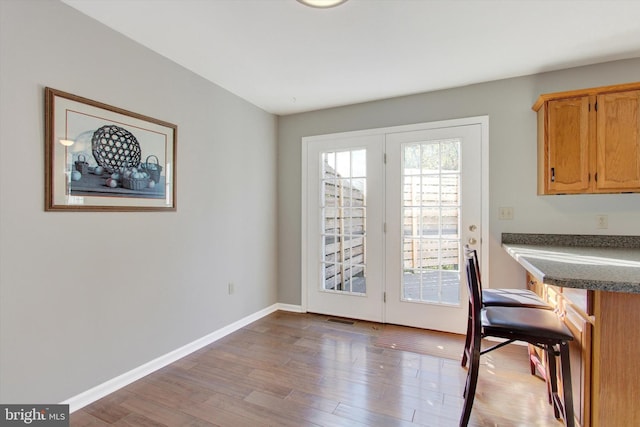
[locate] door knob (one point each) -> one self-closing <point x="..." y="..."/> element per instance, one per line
<point x="472" y="241"/>
<point x="472" y="227"/>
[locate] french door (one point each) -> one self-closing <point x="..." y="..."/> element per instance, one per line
<point x="345" y="226"/>
<point x="433" y="208"/>
<point x="386" y="214"/>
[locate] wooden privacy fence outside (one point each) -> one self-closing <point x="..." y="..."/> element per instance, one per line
<point x="431" y="256"/>
<point x="426" y="228"/>
<point x="344" y="216"/>
<point x="425" y="231"/>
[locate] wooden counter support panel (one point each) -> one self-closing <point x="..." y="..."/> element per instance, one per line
<point x="616" y="342"/>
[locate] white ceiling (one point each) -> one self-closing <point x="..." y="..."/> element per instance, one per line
<point x="286" y="58"/>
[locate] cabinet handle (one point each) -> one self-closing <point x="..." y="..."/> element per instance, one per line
<point x="553" y="174"/>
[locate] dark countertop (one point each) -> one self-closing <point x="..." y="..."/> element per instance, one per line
<point x="604" y="263"/>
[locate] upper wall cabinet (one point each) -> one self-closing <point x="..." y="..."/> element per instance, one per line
<point x="589" y="140"/>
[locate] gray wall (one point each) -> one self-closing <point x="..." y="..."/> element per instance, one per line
<point x="512" y="162"/>
<point x="85" y="297"/>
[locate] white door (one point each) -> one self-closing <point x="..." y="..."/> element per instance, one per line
<point x="385" y="216"/>
<point x="433" y="208"/>
<point x="344" y="223"/>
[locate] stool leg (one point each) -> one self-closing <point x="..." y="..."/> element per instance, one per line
<point x="553" y="379"/>
<point x="566" y="384"/>
<point x="532" y="365"/>
<point x="470" y="387"/>
<point x="545" y="354"/>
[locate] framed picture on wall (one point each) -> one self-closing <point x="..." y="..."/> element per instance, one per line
<point x="103" y="158"/>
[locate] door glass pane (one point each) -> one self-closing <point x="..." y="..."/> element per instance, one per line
<point x="431" y="222"/>
<point x="450" y="152"/>
<point x="430" y="218"/>
<point x="450" y="189"/>
<point x="344" y="206"/>
<point x="411" y="162"/>
<point x="430" y="157"/>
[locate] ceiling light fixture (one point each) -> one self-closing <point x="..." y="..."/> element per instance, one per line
<point x="322" y="4"/>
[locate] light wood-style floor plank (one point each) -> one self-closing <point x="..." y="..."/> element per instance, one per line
<point x="291" y="369"/>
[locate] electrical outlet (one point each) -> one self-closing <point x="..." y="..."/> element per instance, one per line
<point x="602" y="221"/>
<point x="505" y="213"/>
<point x="232" y="288"/>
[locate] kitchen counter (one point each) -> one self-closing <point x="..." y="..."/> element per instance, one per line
<point x="593" y="282"/>
<point x="598" y="263"/>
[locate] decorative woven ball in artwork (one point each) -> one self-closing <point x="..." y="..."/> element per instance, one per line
<point x="115" y="148"/>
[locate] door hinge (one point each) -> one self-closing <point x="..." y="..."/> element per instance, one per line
<point x="384" y="297"/>
<point x="384" y="158"/>
<point x="553" y="174"/>
<point x="596" y="176"/>
<point x="596" y="106"/>
<point x="384" y="227"/>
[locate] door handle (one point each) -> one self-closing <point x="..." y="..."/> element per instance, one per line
<point x="472" y="241"/>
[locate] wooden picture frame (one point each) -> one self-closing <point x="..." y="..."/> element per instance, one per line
<point x="103" y="158"/>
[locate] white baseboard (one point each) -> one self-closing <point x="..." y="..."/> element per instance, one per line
<point x="290" y="307"/>
<point x="85" y="398"/>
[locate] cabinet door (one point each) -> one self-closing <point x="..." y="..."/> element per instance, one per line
<point x="568" y="145"/>
<point x="580" y="355"/>
<point x="552" y="297"/>
<point x="618" y="141"/>
<point x="535" y="285"/>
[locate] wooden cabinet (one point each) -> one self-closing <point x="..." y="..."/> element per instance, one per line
<point x="580" y="355"/>
<point x="535" y="285"/>
<point x="604" y="370"/>
<point x="573" y="308"/>
<point x="589" y="140"/>
<point x="567" y="144"/>
<point x="618" y="141"/>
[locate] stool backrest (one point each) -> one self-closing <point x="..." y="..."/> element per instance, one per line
<point x="474" y="285"/>
<point x="477" y="264"/>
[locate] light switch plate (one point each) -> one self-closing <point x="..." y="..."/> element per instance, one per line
<point x="505" y="213"/>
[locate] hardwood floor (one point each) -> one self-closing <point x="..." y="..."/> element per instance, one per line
<point x="290" y="369"/>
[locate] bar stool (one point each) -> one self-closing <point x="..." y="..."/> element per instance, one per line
<point x="541" y="328"/>
<point x="505" y="298"/>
